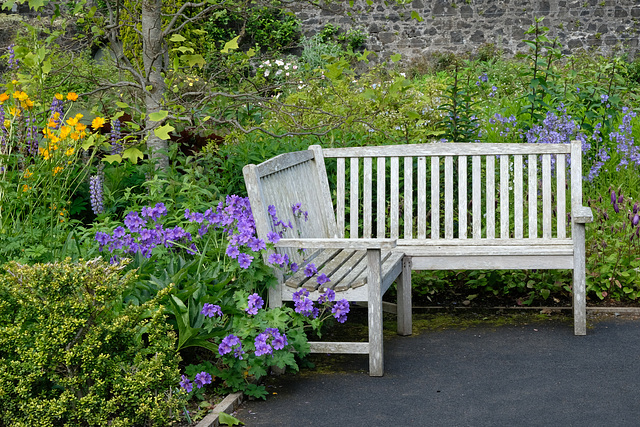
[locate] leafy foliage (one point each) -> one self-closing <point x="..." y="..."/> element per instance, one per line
<point x="72" y="353"/>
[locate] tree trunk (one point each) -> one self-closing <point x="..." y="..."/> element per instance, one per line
<point x="153" y="54"/>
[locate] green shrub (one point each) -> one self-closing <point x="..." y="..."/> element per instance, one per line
<point x="72" y="354"/>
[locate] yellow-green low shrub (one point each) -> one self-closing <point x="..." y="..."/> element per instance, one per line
<point x="71" y="353"/>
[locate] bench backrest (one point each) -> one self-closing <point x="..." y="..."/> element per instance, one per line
<point x="457" y="191"/>
<point x="283" y="181"/>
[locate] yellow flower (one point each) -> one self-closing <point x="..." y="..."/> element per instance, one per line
<point x="27" y="104"/>
<point x="7" y="124"/>
<point x="70" y="151"/>
<point x="52" y="123"/>
<point x="44" y="152"/>
<point x="21" y="96"/>
<point x="65" y="131"/>
<point x="72" y="121"/>
<point x="3" y="97"/>
<point x="15" y="112"/>
<point x="25" y="188"/>
<point x="75" y="136"/>
<point x="27" y="174"/>
<point x="57" y="169"/>
<point x="80" y="127"/>
<point x="97" y="123"/>
<point x="58" y="96"/>
<point x="72" y="96"/>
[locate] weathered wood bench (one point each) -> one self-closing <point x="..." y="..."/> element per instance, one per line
<point x="437" y="206"/>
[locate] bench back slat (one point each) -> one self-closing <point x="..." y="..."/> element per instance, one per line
<point x="408" y="197"/>
<point x="518" y="207"/>
<point x="561" y="195"/>
<point x="462" y="196"/>
<point x="451" y="191"/>
<point x="287" y="179"/>
<point x="532" y="167"/>
<point x="504" y="197"/>
<point x="435" y="197"/>
<point x="422" y="197"/>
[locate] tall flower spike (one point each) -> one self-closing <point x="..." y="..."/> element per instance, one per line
<point x="95" y="190"/>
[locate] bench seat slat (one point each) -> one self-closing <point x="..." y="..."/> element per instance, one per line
<point x="298" y="278"/>
<point x="329" y="268"/>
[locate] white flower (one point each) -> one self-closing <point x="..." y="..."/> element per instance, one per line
<point x="266" y="73"/>
<point x="278" y="72"/>
<point x="286" y="67"/>
<point x="295" y="67"/>
<point x="403" y="74"/>
<point x="279" y="62"/>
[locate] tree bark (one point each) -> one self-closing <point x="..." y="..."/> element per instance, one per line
<point x="153" y="54"/>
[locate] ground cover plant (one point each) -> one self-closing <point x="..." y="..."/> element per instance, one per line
<point x="100" y="243"/>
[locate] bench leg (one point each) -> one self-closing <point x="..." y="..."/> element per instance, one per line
<point x="374" y="281"/>
<point x="579" y="281"/>
<point x="404" y="298"/>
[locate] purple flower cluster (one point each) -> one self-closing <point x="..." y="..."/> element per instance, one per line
<point x="483" y="78"/>
<point x="555" y="129"/>
<point x="12" y="61"/>
<point x="254" y="304"/>
<point x="231" y="342"/>
<point x="625" y="143"/>
<point x="116" y="135"/>
<point x="305" y="306"/>
<point x="143" y="234"/>
<point x="210" y="310"/>
<point x="235" y="218"/>
<point x="507" y="126"/>
<point x="95" y="192"/>
<point x="340" y="310"/>
<point x="203" y="378"/>
<point x="271" y="339"/>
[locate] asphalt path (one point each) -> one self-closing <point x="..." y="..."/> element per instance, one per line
<point x="537" y="374"/>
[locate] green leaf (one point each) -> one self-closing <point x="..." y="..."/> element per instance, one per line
<point x="413" y="115"/>
<point x="46" y="66"/>
<point x="112" y="158"/>
<point x="89" y="142"/>
<point x="177" y="38"/>
<point x="158" y="116"/>
<point x="36" y="4"/>
<point x="396" y="57"/>
<point x="8" y="4"/>
<point x="122" y="104"/>
<point x="184" y="49"/>
<point x="133" y="154"/>
<point x="163" y="132"/>
<point x="415" y="15"/>
<point x="230" y="45"/>
<point x="229" y="420"/>
<point x="193" y="60"/>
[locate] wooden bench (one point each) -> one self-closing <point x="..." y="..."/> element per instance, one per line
<point x="436" y="206"/>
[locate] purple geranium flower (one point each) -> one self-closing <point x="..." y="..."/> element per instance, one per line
<point x="211" y="310"/>
<point x="310" y="270"/>
<point x="202" y="379"/>
<point x="340" y="310"/>
<point x="322" y="279"/>
<point x="186" y="384"/>
<point x="228" y="343"/>
<point x="244" y="260"/>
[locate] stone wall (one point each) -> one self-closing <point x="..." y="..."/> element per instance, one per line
<point x="464" y="25"/>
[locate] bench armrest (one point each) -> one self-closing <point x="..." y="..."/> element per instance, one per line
<point x="582" y="215"/>
<point x="338" y="243"/>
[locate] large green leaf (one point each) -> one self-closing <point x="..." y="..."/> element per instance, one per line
<point x="163" y="132"/>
